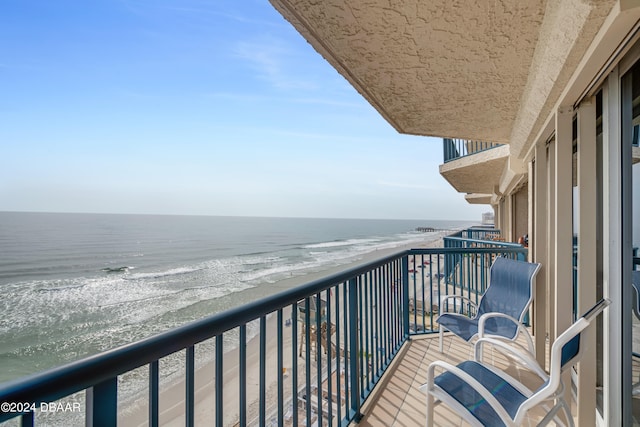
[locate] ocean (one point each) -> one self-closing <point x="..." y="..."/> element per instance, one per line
<point x="76" y="284"/>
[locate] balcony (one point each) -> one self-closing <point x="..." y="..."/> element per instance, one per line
<point x="325" y="353"/>
<point x="458" y="148"/>
<point x="472" y="166"/>
<point x="398" y="402"/>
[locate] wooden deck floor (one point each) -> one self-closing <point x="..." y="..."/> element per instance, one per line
<point x="397" y="400"/>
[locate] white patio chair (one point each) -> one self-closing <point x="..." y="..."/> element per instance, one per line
<point x="635" y="283"/>
<point x="486" y="396"/>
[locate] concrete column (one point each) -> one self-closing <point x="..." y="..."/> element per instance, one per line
<point x="563" y="217"/>
<point x="612" y="232"/>
<point x="538" y="247"/>
<point x="551" y="238"/>
<point x="508" y="218"/>
<point x="587" y="255"/>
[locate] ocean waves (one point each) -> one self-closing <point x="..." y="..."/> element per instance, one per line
<point x="76" y="298"/>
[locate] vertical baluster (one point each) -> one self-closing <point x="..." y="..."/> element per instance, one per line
<point x="318" y="322"/>
<point x="102" y="404"/>
<point x="190" y="386"/>
<point x="476" y="279"/>
<point x="242" y="400"/>
<point x="361" y="355"/>
<point x="280" y="370"/>
<point x="353" y="349"/>
<point x="400" y="322"/>
<point x="399" y="304"/>
<point x="405" y="297"/>
<point x="154" y="383"/>
<point x="483" y="277"/>
<point x="439" y="285"/>
<point x="387" y="319"/>
<point x="294" y="362"/>
<point x="367" y="333"/>
<point x="395" y="308"/>
<point x="329" y="359"/>
<point x="307" y="361"/>
<point x="431" y="292"/>
<point x="26" y="420"/>
<point x="392" y="319"/>
<point x="415" y="290"/>
<point x="379" y="316"/>
<point x="467" y="276"/>
<point x="219" y="381"/>
<point x="388" y="271"/>
<point x="263" y="371"/>
<point x="383" y="308"/>
<point x="347" y="350"/>
<point x="372" y="331"/>
<point x="339" y="355"/>
<point x="424" y="302"/>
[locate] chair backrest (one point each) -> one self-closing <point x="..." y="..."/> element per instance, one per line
<point x="567" y="348"/>
<point x="510" y="288"/>
<point x="635" y="283"/>
<point x="566" y="351"/>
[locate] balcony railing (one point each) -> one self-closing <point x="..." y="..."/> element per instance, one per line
<point x="320" y="349"/>
<point x="457" y="148"/>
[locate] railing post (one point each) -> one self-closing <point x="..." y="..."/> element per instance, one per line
<point x="102" y="404"/>
<point x="154" y="394"/>
<point x="353" y="351"/>
<point x="190" y="386"/>
<point x="405" y="295"/>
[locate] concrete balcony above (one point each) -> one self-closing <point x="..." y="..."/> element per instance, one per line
<point x="478" y="173"/>
<point x="478" y="199"/>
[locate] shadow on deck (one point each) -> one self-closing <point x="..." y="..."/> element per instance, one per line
<point x="397" y="400"/>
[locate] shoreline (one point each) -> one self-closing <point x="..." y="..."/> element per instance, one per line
<point x="172" y="395"/>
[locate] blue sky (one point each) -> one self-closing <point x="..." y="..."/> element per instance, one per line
<point x="196" y="107"/>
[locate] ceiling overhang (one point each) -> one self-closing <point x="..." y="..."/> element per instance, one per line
<point x="481" y="70"/>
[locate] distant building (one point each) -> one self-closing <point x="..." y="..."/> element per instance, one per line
<point x="487" y="218"/>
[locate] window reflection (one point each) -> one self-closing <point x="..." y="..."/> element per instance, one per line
<point x="635" y="231"/>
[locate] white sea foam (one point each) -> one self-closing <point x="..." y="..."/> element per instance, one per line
<point x="348" y="242"/>
<point x="171" y="272"/>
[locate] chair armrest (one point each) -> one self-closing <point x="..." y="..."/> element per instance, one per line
<point x="524" y="358"/>
<point x="484" y="317"/>
<point x="444" y="298"/>
<point x="520" y="326"/>
<point x="472" y="382"/>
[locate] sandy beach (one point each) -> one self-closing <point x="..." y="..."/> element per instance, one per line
<point x="172" y="396"/>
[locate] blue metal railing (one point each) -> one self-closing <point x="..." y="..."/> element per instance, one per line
<point x="334" y="338"/>
<point x="457" y="148"/>
<point x="485" y="237"/>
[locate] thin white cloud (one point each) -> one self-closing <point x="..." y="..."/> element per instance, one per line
<point x="269" y="58"/>
<point x="406" y="185"/>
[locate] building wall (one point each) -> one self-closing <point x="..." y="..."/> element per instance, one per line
<point x="521" y="213"/>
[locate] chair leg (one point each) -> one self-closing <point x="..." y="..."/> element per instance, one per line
<point x="441" y="333"/>
<point x="567" y="412"/>
<point x="429" y="415"/>
<point x="554" y="413"/>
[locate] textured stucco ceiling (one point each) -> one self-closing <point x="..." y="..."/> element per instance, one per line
<point x="464" y="69"/>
